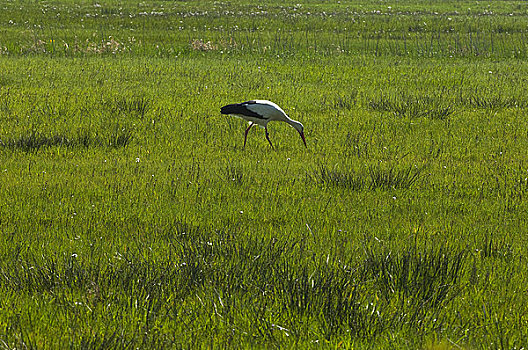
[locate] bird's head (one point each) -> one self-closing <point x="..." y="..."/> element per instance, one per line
<point x="300" y="128"/>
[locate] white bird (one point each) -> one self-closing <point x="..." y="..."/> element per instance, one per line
<point x="261" y="112"/>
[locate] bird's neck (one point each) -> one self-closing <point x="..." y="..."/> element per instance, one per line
<point x="295" y="124"/>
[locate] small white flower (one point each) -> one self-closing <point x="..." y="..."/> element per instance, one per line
<point x="137" y="160"/>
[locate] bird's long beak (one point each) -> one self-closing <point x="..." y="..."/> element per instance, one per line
<point x="302" y="137"/>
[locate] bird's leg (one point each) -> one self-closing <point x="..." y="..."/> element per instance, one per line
<point x="245" y="135"/>
<point x="267" y="136"/>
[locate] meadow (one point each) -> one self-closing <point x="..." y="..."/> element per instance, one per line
<point x="131" y="216"/>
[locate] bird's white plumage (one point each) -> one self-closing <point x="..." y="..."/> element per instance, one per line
<point x="267" y="110"/>
<point x="253" y="120"/>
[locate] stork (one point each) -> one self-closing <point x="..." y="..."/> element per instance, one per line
<point x="261" y="112"/>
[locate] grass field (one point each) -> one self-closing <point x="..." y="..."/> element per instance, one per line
<point x="132" y="217"/>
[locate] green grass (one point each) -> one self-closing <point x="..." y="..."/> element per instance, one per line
<point x="131" y="216"/>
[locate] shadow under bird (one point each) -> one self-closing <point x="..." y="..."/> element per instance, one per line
<point x="261" y="112"/>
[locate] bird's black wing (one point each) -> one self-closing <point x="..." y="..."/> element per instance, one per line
<point x="241" y="109"/>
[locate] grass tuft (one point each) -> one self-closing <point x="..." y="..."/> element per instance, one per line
<point x="234" y="174"/>
<point x="376" y="178"/>
<point x="494" y="102"/>
<point x="335" y="178"/>
<point x="132" y="106"/>
<point x="393" y="178"/>
<point x="346" y="101"/>
<point x="429" y="277"/>
<point x="120" y="137"/>
<point x="407" y="106"/>
<point x="34" y="141"/>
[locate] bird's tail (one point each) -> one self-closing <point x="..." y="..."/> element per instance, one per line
<point x="234" y="108"/>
